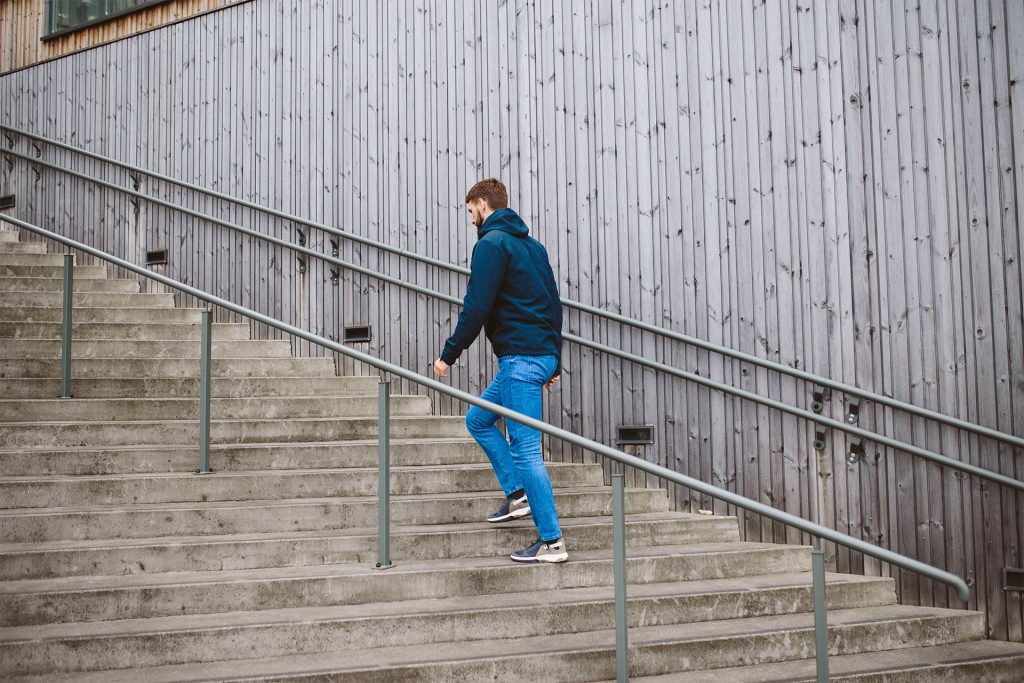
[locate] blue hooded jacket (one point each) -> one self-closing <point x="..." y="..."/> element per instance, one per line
<point x="511" y="293"/>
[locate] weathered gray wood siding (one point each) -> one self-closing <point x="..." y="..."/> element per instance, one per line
<point x="833" y="185"/>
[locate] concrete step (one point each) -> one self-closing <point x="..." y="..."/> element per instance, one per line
<point x="41" y="349"/>
<point x="991" y="661"/>
<point x="9" y="235"/>
<point x="162" y="368"/>
<point x="167" y="387"/>
<point x="283" y="632"/>
<point x="247" y="408"/>
<point x="114" y="557"/>
<point x="20" y="300"/>
<point x="18" y="265"/>
<point x="164" y="313"/>
<point x="43" y="259"/>
<point x="48" y="601"/>
<point x="13" y="247"/>
<point x="12" y="287"/>
<point x="135" y="489"/>
<point x="39" y="525"/>
<point x="588" y="655"/>
<point x="235" y="457"/>
<point x="185" y="432"/>
<point x="123" y="331"/>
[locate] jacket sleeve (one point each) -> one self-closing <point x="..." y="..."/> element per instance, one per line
<point x="487" y="270"/>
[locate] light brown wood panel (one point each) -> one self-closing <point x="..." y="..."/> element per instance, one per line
<point x="832" y="186"/>
<point x="23" y="27"/>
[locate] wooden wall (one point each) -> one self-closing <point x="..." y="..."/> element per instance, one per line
<point x="830" y="185"/>
<point x="23" y="24"/>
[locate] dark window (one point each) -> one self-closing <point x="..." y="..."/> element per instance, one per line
<point x="69" y="15"/>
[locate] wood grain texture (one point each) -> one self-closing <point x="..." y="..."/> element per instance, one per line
<point x="831" y="185"/>
<point x="23" y="25"/>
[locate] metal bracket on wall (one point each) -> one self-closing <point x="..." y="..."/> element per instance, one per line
<point x="335" y="248"/>
<point x="335" y="277"/>
<point x="853" y="411"/>
<point x="855" y="451"/>
<point x="302" y="238"/>
<point x="302" y="264"/>
<point x="820" y="432"/>
<point x="38" y="149"/>
<point x="818" y="398"/>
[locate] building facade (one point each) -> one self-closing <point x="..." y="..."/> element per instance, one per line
<point x="832" y="186"/>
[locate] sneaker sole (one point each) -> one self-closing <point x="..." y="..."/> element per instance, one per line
<point x="522" y="512"/>
<point x="552" y="559"/>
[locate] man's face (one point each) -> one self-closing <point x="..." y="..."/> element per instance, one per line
<point x="476" y="208"/>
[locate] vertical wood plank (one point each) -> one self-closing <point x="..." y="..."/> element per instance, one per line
<point x="828" y="185"/>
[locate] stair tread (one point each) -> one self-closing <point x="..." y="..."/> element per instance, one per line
<point x="276" y="502"/>
<point x="56" y="358"/>
<point x="426" y="606"/>
<point x="803" y="670"/>
<point x="237" y="474"/>
<point x="60" y="278"/>
<point x="271" y="445"/>
<point x="138" y="309"/>
<point x="247" y="419"/>
<point x="91" y="583"/>
<point x="348" y="532"/>
<point x="193" y="399"/>
<point x="600" y="641"/>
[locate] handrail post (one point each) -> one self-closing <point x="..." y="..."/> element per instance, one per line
<point x="65" y="339"/>
<point x="384" y="475"/>
<point x="724" y="495"/>
<point x="619" y="550"/>
<point x="820" y="611"/>
<point x="204" y="395"/>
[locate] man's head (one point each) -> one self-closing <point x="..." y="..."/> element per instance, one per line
<point x="485" y="198"/>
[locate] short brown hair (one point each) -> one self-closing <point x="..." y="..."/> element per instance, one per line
<point x="492" y="191"/>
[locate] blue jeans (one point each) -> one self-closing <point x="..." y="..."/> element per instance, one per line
<point x="518" y="462"/>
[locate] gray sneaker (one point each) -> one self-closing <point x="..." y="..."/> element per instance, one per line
<point x="540" y="551"/>
<point x="512" y="508"/>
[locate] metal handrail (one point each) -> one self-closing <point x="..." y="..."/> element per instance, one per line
<point x="817" y="531"/>
<point x="724" y="495"/>
<point x="821" y="380"/>
<point x="802" y="413"/>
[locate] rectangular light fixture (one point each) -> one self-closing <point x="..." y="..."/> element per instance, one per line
<point x="634" y="435"/>
<point x="356" y="333"/>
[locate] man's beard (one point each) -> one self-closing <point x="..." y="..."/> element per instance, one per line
<point x="478" y="221"/>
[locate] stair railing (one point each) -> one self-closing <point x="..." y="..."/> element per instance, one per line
<point x="816" y="379"/>
<point x="809" y="415"/>
<point x="620" y="458"/>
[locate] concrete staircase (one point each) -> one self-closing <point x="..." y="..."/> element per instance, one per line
<point x="117" y="563"/>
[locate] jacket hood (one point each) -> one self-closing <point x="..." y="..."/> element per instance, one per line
<point x="505" y="220"/>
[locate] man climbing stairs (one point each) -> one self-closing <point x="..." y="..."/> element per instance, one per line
<point x="119" y="563"/>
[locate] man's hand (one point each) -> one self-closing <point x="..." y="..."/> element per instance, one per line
<point x="441" y="368"/>
<point x="551" y="382"/>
